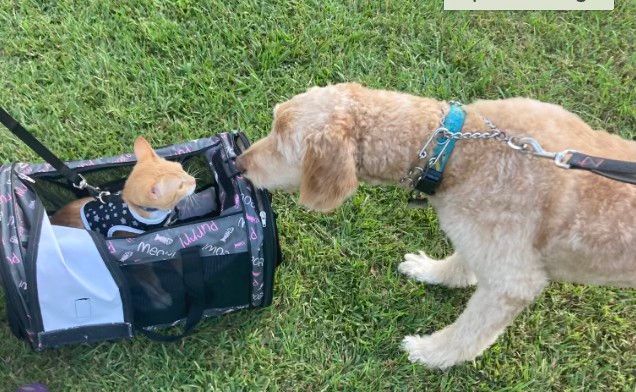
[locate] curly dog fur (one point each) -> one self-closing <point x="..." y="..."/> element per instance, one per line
<point x="515" y="221"/>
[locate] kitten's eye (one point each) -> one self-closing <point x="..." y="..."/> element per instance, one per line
<point x="182" y="185"/>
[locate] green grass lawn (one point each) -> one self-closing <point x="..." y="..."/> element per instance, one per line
<point x="87" y="77"/>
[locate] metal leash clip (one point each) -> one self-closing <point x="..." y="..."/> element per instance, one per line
<point x="93" y="190"/>
<point x="531" y="146"/>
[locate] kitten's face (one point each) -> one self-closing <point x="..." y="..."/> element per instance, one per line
<point x="155" y="182"/>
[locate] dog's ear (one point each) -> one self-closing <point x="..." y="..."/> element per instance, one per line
<point x="329" y="166"/>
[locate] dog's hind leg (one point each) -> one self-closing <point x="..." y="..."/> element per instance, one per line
<point x="504" y="289"/>
<point x="451" y="271"/>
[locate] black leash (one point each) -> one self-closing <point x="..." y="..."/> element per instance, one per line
<point x="617" y="170"/>
<point x="74" y="178"/>
<point x="623" y="171"/>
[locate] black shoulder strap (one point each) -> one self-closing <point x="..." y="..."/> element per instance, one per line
<point x="46" y="154"/>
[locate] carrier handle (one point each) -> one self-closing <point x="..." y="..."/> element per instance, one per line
<point x="193" y="279"/>
<point x="34" y="144"/>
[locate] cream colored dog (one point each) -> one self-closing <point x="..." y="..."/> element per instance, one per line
<point x="515" y="221"/>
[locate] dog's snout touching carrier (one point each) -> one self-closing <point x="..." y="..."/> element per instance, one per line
<point x="64" y="285"/>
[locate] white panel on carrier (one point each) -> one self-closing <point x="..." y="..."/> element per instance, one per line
<point x="75" y="288"/>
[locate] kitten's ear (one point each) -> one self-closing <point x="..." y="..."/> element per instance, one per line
<point x="143" y="150"/>
<point x="164" y="187"/>
<point x="156" y="190"/>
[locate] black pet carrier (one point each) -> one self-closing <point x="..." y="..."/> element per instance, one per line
<point x="64" y="285"/>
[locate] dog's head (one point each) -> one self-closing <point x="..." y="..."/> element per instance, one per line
<point x="311" y="148"/>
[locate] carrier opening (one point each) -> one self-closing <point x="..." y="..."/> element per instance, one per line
<point x="55" y="192"/>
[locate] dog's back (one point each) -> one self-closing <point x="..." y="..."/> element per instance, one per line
<point x="587" y="229"/>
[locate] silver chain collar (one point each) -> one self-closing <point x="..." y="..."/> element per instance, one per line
<point x="526" y="145"/>
<point x="415" y="173"/>
<point x="494" y="133"/>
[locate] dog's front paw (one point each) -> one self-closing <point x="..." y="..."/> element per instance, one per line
<point x="419" y="267"/>
<point x="433" y="351"/>
<point x="451" y="271"/>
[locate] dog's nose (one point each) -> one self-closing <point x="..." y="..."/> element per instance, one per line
<point x="240" y="164"/>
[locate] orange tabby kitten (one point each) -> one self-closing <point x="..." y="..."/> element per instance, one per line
<point x="154" y="183"/>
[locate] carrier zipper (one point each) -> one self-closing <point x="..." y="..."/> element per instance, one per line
<point x="263" y="216"/>
<point x="270" y="235"/>
<point x="258" y="197"/>
<point x="269" y="243"/>
<point x="88" y="169"/>
<point x="25" y="177"/>
<point x="30" y="257"/>
<point x="13" y="298"/>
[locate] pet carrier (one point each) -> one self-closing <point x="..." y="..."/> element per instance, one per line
<point x="65" y="285"/>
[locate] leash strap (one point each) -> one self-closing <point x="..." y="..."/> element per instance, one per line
<point x="34" y="144"/>
<point x="617" y="170"/>
<point x="623" y="171"/>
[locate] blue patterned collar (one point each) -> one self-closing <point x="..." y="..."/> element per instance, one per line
<point x="443" y="146"/>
